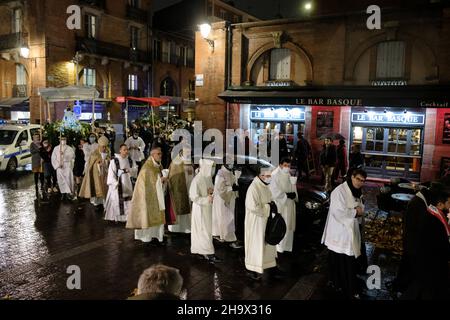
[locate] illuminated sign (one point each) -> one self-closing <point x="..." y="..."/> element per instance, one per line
<point x="330" y="101"/>
<point x="283" y="114"/>
<point x="389" y="118"/>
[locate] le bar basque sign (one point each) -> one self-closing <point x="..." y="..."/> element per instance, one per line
<point x="389" y="118"/>
<point x="330" y="101"/>
<point x="293" y="114"/>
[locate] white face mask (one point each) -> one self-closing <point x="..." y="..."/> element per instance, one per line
<point x="286" y="170"/>
<point x="63" y="142"/>
<point x="267" y="180"/>
<point x="104" y="154"/>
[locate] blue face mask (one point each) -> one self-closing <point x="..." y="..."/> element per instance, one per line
<point x="91" y="140"/>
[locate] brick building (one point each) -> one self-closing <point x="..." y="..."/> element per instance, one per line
<point x="111" y="51"/>
<point x="385" y="90"/>
<point x="173" y="47"/>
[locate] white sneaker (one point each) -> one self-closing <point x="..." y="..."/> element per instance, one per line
<point x="49" y="190"/>
<point x="55" y="189"/>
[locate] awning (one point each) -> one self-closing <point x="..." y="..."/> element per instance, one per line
<point x="433" y="96"/>
<point x="154" y="102"/>
<point x="70" y="93"/>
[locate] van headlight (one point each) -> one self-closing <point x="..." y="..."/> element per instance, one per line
<point x="312" y="205"/>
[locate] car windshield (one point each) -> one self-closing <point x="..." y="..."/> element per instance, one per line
<point x="7" y="136"/>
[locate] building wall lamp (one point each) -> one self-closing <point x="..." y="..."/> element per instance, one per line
<point x="205" y="30"/>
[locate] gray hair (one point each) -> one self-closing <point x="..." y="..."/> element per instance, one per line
<point x="160" y="279"/>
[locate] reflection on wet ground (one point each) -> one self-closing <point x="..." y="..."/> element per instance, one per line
<point x="39" y="243"/>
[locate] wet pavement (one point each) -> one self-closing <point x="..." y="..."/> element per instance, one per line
<point x="39" y="243"/>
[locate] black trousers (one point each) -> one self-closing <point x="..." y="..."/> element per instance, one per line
<point x="342" y="273"/>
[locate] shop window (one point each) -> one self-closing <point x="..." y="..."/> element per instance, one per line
<point x="446" y="132"/>
<point x="89" y="77"/>
<point x="280" y="64"/>
<point x="390" y="60"/>
<point x="17" y="20"/>
<point x="324" y="124"/>
<point x="91" y="26"/>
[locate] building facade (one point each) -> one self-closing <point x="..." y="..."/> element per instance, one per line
<point x="110" y="51"/>
<point x="385" y="90"/>
<point x="173" y="47"/>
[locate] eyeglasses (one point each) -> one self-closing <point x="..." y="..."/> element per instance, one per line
<point x="360" y="180"/>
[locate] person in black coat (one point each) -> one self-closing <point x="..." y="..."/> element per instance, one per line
<point x="146" y="134"/>
<point x="282" y="146"/>
<point x="78" y="168"/>
<point x="356" y="159"/>
<point x="430" y="270"/>
<point x="328" y="160"/>
<point x="302" y="152"/>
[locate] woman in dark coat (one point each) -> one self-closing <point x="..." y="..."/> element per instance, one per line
<point x="78" y="168"/>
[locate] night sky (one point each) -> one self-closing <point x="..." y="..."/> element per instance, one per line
<point x="264" y="9"/>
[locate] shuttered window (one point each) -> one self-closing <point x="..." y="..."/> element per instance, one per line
<point x="280" y="64"/>
<point x="391" y="60"/>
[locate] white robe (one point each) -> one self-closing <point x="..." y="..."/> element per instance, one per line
<point x="223" y="206"/>
<point x="341" y="233"/>
<point x="258" y="254"/>
<point x="112" y="207"/>
<point x="136" y="155"/>
<point x="280" y="185"/>
<point x="201" y="224"/>
<point x="146" y="235"/>
<point x="62" y="161"/>
<point x="184" y="220"/>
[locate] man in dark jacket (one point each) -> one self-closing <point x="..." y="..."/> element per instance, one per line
<point x="430" y="269"/>
<point x="328" y="163"/>
<point x="302" y="151"/>
<point x="356" y="159"/>
<point x="146" y="135"/>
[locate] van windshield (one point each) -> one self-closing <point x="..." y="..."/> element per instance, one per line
<point x="7" y="136"/>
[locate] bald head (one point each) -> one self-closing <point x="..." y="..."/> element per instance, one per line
<point x="156" y="154"/>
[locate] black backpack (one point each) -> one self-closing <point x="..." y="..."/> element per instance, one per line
<point x="275" y="229"/>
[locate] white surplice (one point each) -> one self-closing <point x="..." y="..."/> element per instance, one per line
<point x="136" y="154"/>
<point x="280" y="185"/>
<point x="258" y="254"/>
<point x="201" y="225"/>
<point x="63" y="158"/>
<point x="223" y="205"/>
<point x="87" y="150"/>
<point x="112" y="206"/>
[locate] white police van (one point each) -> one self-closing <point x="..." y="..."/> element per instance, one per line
<point x="15" y="140"/>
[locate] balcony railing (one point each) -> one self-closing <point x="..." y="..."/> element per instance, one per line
<point x="111" y="50"/>
<point x="137" y="14"/>
<point x="19" y="90"/>
<point x="11" y="41"/>
<point x="95" y="3"/>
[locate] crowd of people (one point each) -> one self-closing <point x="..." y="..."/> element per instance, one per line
<point x="136" y="187"/>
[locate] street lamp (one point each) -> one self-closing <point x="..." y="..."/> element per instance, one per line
<point x="308" y="6"/>
<point x="25" y="52"/>
<point x="205" y="30"/>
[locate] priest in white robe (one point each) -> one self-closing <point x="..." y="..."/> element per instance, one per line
<point x="136" y="148"/>
<point x="258" y="254"/>
<point x="181" y="174"/>
<point x="120" y="188"/>
<point x="342" y="233"/>
<point x="147" y="212"/>
<point x="284" y="193"/>
<point x="201" y="195"/>
<point x="225" y="191"/>
<point x="63" y="158"/>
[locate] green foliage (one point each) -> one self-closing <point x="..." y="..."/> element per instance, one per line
<point x="52" y="132"/>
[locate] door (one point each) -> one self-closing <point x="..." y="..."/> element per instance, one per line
<point x="23" y="148"/>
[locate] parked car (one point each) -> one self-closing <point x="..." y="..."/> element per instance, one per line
<point x="15" y="140"/>
<point x="312" y="208"/>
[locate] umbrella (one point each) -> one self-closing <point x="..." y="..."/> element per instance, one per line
<point x="333" y="136"/>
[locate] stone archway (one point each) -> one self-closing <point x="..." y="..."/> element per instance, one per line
<point x="168" y="87"/>
<point x="424" y="48"/>
<point x="304" y="56"/>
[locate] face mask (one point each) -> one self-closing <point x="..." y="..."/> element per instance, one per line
<point x="92" y="140"/>
<point x="45" y="144"/>
<point x="135" y="136"/>
<point x="63" y="142"/>
<point x="285" y="170"/>
<point x="104" y="154"/>
<point x="229" y="167"/>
